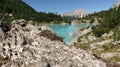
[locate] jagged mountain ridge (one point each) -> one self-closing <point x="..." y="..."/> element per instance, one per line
<point x="75" y="14"/>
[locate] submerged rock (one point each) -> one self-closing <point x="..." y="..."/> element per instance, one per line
<point x="29" y="46"/>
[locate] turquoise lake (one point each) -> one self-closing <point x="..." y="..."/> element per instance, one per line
<point x="67" y="31"/>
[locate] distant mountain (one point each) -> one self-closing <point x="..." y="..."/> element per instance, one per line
<point x="17" y="9"/>
<point x="75" y="14"/>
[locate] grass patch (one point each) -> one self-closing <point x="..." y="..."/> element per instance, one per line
<point x="82" y="46"/>
<point x="114" y="59"/>
<point x="109" y="48"/>
<point x="49" y="52"/>
<point x="106" y="47"/>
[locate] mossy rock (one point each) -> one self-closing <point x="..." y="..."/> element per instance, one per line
<point x="2" y="61"/>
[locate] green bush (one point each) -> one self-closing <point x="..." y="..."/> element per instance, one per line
<point x="117" y="34"/>
<point x="99" y="30"/>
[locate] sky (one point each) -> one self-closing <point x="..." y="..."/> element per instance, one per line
<point x="62" y="6"/>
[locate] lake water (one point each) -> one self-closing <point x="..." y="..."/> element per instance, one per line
<point x="67" y="31"/>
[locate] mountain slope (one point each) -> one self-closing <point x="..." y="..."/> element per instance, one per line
<point x="104" y="39"/>
<point x="15" y="6"/>
<point x="17" y="9"/>
<point x="108" y="20"/>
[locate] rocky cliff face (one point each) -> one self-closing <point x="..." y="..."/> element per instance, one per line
<point x="76" y="14"/>
<point x="23" y="46"/>
<point x="116" y="4"/>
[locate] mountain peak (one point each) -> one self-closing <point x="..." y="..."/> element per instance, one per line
<point x="117" y="4"/>
<point x="76" y="14"/>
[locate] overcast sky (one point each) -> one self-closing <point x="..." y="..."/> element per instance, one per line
<point x="62" y="6"/>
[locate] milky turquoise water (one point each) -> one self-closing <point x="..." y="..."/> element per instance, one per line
<point x="67" y="31"/>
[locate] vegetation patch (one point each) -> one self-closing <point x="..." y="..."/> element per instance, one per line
<point x="106" y="47"/>
<point x="49" y="52"/>
<point x="114" y="59"/>
<point x="82" y="46"/>
<point x="50" y="35"/>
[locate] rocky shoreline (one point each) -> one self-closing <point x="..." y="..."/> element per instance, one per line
<point x="24" y="46"/>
